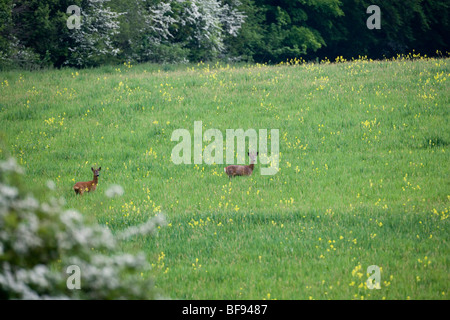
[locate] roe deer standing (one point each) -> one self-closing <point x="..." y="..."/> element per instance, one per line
<point x="88" y="186"/>
<point x="240" y="170"/>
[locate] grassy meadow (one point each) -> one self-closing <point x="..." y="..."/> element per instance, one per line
<point x="363" y="180"/>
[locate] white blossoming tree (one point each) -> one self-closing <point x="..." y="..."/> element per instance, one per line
<point x="175" y="30"/>
<point x="156" y="40"/>
<point x="207" y="22"/>
<point x="92" y="43"/>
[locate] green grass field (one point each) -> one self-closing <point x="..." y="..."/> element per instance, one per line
<point x="364" y="171"/>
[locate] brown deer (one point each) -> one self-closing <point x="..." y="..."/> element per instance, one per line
<point x="240" y="170"/>
<point x="81" y="187"/>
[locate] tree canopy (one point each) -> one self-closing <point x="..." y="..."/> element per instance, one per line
<point x="35" y="33"/>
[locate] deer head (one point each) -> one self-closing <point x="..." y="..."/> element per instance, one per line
<point x="96" y="171"/>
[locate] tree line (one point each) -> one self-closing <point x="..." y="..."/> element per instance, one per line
<point x="43" y="33"/>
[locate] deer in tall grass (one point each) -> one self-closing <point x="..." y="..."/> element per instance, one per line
<point x="81" y="187"/>
<point x="242" y="170"/>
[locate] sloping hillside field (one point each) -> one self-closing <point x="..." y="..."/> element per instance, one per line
<point x="351" y="182"/>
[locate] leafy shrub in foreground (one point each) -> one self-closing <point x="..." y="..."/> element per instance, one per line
<point x="38" y="241"/>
